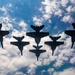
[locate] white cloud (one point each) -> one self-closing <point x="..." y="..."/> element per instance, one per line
<point x="70" y="9"/>
<point x="64" y="9"/>
<point x="58" y="13"/>
<point x="67" y="18"/>
<point x="3" y="9"/>
<point x="64" y="3"/>
<point x="37" y="21"/>
<point x="70" y="71"/>
<point x="23" y="25"/>
<point x="72" y="60"/>
<point x="42" y="72"/>
<point x="72" y="1"/>
<point x="58" y="63"/>
<point x="31" y="69"/>
<point x="19" y="73"/>
<point x="50" y="70"/>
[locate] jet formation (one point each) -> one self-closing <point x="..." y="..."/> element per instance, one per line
<point x="37" y="35"/>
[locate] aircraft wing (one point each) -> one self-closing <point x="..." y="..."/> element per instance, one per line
<point x="3" y="33"/>
<point x="40" y="34"/>
<point x="24" y="43"/>
<point x="31" y="34"/>
<point x="33" y="51"/>
<point x="14" y="43"/>
<point x="20" y="43"/>
<point x="51" y="43"/>
<point x="70" y="32"/>
<point x="42" y="51"/>
<point x="43" y="34"/>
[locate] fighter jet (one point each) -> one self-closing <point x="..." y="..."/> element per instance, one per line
<point x="19" y="43"/>
<point x="37" y="51"/>
<point x="72" y="34"/>
<point x="37" y="35"/>
<point x="2" y="34"/>
<point x="54" y="43"/>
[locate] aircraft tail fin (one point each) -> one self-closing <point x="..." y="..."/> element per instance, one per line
<point x="52" y="53"/>
<point x="2" y="44"/>
<point x="37" y="28"/>
<point x="73" y="24"/>
<point x="42" y="51"/>
<point x="72" y="44"/>
<point x="55" y="38"/>
<point x="21" y="53"/>
<point x="37" y="58"/>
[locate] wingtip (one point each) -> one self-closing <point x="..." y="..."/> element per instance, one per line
<point x="0" y="23"/>
<point x="73" y="23"/>
<point x="43" y="25"/>
<point x="59" y="36"/>
<point x="0" y="26"/>
<point x="31" y="25"/>
<point x="65" y="32"/>
<point x="2" y="47"/>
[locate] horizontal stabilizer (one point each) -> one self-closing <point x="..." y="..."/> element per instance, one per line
<point x="37" y="46"/>
<point x="51" y="43"/>
<point x="70" y="32"/>
<point x="14" y="43"/>
<point x="39" y="51"/>
<point x="19" y="43"/>
<point x="42" y="51"/>
<point x="37" y="28"/>
<point x="19" y="38"/>
<point x="55" y="38"/>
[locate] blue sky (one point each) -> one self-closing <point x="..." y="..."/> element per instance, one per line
<point x="17" y="16"/>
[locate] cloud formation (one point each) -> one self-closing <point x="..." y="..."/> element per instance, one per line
<point x="11" y="61"/>
<point x="59" y="9"/>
